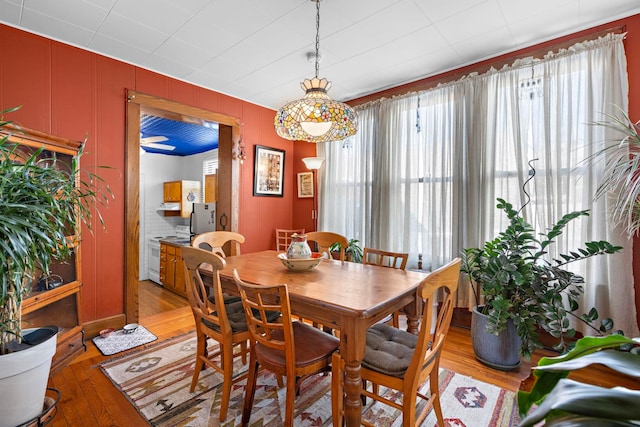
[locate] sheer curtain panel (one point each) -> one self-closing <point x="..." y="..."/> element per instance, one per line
<point x="424" y="171"/>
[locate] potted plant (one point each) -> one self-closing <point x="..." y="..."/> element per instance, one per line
<point x="353" y="251"/>
<point x="621" y="178"/>
<point x="565" y="402"/>
<point x="522" y="290"/>
<point x="42" y="203"/>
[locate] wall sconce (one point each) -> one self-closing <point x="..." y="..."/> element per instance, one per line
<point x="242" y="156"/>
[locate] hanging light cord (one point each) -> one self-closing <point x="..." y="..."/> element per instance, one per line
<point x="317" y="37"/>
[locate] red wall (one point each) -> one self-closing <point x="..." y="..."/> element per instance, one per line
<point x="71" y="93"/>
<point x="74" y="93"/>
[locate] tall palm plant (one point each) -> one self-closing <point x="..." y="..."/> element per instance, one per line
<point x="622" y="172"/>
<point x="42" y="203"/>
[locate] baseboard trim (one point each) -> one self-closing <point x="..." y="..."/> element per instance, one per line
<point x="93" y="328"/>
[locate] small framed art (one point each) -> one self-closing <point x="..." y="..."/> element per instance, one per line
<point x="268" y="172"/>
<point x="305" y="184"/>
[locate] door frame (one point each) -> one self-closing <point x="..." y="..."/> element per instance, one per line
<point x="228" y="181"/>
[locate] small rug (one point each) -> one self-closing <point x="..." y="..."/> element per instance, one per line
<point x="156" y="381"/>
<point x="118" y="341"/>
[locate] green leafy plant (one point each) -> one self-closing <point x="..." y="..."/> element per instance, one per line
<point x="43" y="203"/>
<point x="559" y="398"/>
<point x="353" y="251"/>
<point x="518" y="282"/>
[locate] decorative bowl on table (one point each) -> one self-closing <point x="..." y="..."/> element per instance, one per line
<point x="301" y="264"/>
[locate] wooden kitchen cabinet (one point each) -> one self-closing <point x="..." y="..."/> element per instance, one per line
<point x="184" y="193"/>
<point x="211" y="188"/>
<point x="172" y="269"/>
<point x="172" y="191"/>
<point x="59" y="302"/>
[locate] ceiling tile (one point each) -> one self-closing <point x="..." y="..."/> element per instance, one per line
<point x="486" y="45"/>
<point x="185" y="53"/>
<point x="128" y="31"/>
<point x="528" y="30"/>
<point x="10" y="12"/>
<point x="117" y="49"/>
<point x="177" y="69"/>
<point x="56" y="29"/>
<point x="163" y="15"/>
<point x="471" y="22"/>
<point x="85" y="15"/>
<point x="437" y="10"/>
<point x="597" y="10"/>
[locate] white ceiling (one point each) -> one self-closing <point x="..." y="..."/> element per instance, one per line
<point x="256" y="49"/>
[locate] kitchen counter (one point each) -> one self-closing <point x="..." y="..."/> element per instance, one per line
<point x="176" y="241"/>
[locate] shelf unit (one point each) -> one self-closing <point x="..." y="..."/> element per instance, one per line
<point x="60" y="306"/>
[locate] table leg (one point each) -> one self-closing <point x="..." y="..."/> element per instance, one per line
<point x="352" y="348"/>
<point x="413" y="311"/>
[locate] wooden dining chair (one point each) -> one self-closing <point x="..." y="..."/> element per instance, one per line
<point x="290" y="348"/>
<point x="324" y="239"/>
<point x="222" y="321"/>
<point x="283" y="237"/>
<point x="215" y="241"/>
<point x="387" y="259"/>
<point x="402" y="361"/>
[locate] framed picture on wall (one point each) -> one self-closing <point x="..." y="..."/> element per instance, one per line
<point x="268" y="172"/>
<point x="305" y="184"/>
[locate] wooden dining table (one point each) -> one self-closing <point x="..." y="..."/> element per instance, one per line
<point x="345" y="296"/>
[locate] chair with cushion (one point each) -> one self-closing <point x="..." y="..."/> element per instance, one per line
<point x="215" y="241"/>
<point x="283" y="238"/>
<point x="386" y="259"/>
<point x="290" y="348"/>
<point x="324" y="239"/>
<point x="225" y="323"/>
<point x="402" y="361"/>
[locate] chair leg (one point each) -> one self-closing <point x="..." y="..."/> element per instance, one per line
<point x="227" y="368"/>
<point x="251" y="389"/>
<point x="396" y="319"/>
<point x="337" y="391"/>
<point x="434" y="386"/>
<point x="201" y="349"/>
<point x="243" y="350"/>
<point x="290" y="401"/>
<point x="409" y="410"/>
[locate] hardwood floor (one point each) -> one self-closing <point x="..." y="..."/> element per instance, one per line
<point x="90" y="399"/>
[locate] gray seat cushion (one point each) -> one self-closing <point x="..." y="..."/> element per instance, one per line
<point x="389" y="350"/>
<point x="237" y="319"/>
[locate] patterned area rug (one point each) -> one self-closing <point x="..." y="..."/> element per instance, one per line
<point x="157" y="379"/>
<point x="118" y="341"/>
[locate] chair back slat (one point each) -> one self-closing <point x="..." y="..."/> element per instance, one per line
<point x="215" y="241"/>
<point x="257" y="301"/>
<point x="211" y="309"/>
<point x="324" y="239"/>
<point x="283" y="237"/>
<point x="384" y="258"/>
<point x="442" y="283"/>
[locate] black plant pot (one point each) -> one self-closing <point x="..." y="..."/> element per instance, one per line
<point x="500" y="351"/>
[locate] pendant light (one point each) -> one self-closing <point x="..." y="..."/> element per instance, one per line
<point x="316" y="117"/>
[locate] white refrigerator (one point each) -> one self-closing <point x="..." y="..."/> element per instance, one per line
<point x="203" y="218"/>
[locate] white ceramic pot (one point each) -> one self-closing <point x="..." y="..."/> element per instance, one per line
<point x="23" y="382"/>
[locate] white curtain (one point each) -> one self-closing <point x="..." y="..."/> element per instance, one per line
<point x="424" y="171"/>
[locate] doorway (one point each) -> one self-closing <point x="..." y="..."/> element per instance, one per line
<point x="228" y="177"/>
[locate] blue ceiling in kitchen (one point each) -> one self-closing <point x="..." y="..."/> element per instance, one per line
<point x="176" y="138"/>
